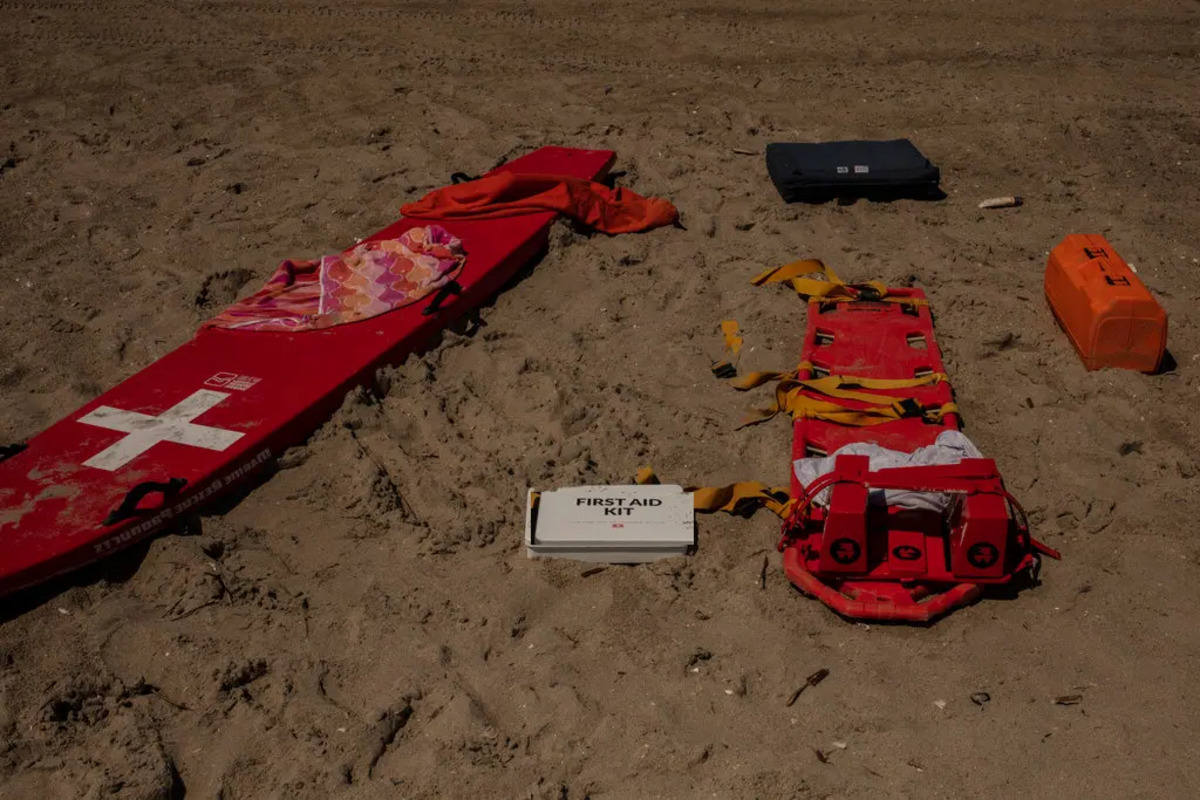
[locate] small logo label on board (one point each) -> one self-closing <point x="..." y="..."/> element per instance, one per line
<point x="231" y="380"/>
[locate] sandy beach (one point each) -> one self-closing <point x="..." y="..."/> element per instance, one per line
<point x="366" y="624"/>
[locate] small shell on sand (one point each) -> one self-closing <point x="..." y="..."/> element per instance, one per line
<point x="1000" y="202"/>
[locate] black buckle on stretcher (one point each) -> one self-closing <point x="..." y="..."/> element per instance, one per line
<point x="868" y="294"/>
<point x="909" y="407"/>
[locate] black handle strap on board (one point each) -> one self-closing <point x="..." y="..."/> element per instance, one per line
<point x="7" y="451"/>
<point x="462" y="177"/>
<point x="129" y="506"/>
<point x="443" y="294"/>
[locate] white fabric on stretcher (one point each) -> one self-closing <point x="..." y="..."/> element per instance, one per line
<point x="950" y="447"/>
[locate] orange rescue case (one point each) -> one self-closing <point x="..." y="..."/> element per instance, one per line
<point x="1107" y="312"/>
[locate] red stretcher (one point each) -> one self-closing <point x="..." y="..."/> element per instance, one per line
<point x="211" y="416"/>
<point x="870" y="562"/>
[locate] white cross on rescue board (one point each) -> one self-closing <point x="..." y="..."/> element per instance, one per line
<point x="173" y="425"/>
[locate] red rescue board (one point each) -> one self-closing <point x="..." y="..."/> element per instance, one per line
<point x="894" y="563"/>
<point x="213" y="414"/>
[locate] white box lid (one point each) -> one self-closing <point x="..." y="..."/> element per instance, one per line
<point x="588" y="517"/>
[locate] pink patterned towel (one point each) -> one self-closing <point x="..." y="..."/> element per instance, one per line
<point x="371" y="278"/>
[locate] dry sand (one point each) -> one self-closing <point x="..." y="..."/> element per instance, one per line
<point x="366" y="624"/>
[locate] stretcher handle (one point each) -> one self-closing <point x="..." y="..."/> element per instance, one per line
<point x="917" y="610"/>
<point x="129" y="506"/>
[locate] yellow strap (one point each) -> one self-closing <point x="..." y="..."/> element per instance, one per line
<point x="743" y="497"/>
<point x="833" y="384"/>
<point x="829" y="289"/>
<point x="837" y="385"/>
<point x="843" y="386"/>
<point x="733" y="341"/>
<point x="790" y="398"/>
<point x="646" y="477"/>
<point x="756" y="379"/>
<point x="886" y="298"/>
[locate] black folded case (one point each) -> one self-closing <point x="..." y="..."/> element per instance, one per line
<point x="816" y="172"/>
